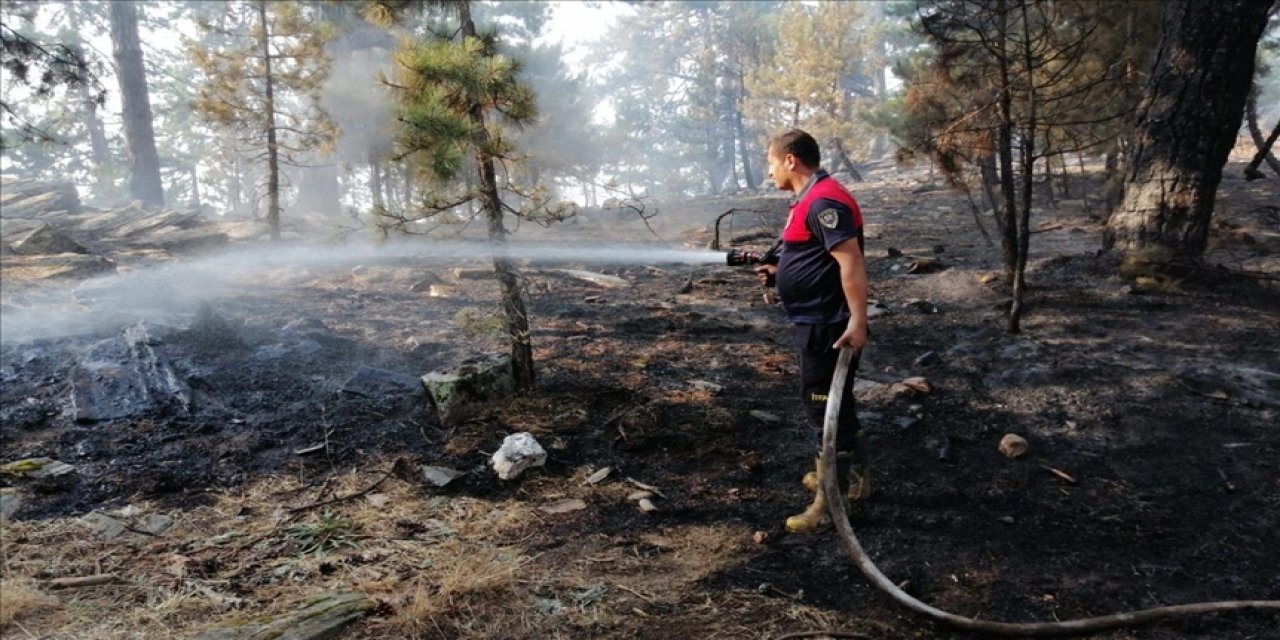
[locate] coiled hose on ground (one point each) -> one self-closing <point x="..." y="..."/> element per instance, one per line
<point x="840" y="516"/>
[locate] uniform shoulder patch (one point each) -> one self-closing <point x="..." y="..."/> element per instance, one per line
<point x="829" y="218"/>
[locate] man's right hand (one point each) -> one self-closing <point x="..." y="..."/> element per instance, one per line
<point x="766" y="272"/>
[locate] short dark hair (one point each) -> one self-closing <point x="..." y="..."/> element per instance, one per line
<point x="799" y="144"/>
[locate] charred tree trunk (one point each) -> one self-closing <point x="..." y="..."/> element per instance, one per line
<point x="516" y="317"/>
<point x="144" y="161"/>
<point x="273" y="150"/>
<point x="1199" y="83"/>
<point x="1264" y="146"/>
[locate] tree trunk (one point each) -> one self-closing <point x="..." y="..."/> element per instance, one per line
<point x="1264" y="146"/>
<point x="843" y="161"/>
<point x="273" y="152"/>
<point x="744" y="154"/>
<point x="1251" y="172"/>
<point x="1008" y="201"/>
<point x="375" y="180"/>
<point x="1028" y="181"/>
<point x="515" y="315"/>
<point x="144" y="161"/>
<point x="1199" y="84"/>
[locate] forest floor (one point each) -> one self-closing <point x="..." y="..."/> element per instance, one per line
<point x="1157" y="403"/>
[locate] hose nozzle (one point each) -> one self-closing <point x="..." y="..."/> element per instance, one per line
<point x="739" y="257"/>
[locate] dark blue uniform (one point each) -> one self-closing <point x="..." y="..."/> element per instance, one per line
<point x="823" y="216"/>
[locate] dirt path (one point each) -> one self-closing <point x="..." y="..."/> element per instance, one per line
<point x="1160" y="403"/>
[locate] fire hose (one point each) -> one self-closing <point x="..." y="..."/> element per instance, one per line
<point x="840" y="516"/>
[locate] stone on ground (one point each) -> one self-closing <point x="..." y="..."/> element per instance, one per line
<point x="473" y="381"/>
<point x="519" y="451"/>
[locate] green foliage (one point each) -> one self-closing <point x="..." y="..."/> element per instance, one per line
<point x="233" y="94"/>
<point x="329" y="533"/>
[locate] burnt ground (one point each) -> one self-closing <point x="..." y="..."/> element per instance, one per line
<point x="1158" y="400"/>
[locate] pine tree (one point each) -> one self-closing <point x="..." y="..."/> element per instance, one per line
<point x="139" y="132"/>
<point x="821" y="77"/>
<point x="1207" y="51"/>
<point x="264" y="87"/>
<point x="42" y="67"/>
<point x="455" y="91"/>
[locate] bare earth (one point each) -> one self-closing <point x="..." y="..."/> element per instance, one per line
<point x="1156" y="404"/>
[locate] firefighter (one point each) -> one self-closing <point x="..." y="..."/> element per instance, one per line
<point x="822" y="283"/>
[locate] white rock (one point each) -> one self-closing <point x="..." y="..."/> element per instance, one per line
<point x="440" y="476"/>
<point x="519" y="451"/>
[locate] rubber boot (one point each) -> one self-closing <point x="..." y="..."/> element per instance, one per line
<point x="815" y="518"/>
<point x="859" y="483"/>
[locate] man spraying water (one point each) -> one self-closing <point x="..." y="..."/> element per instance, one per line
<point x="822" y="282"/>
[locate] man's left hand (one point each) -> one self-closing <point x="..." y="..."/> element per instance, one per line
<point x="854" y="337"/>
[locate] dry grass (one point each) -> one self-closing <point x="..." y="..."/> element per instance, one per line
<point x="21" y="599"/>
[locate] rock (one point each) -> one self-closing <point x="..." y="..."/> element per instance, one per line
<point x="563" y="506"/>
<point x="705" y="385"/>
<point x="62" y="265"/>
<point x="766" y="417"/>
<point x="176" y="240"/>
<point x="32" y="199"/>
<point x="919" y="384"/>
<point x="472" y="381"/>
<point x="989" y="277"/>
<point x="121" y="377"/>
<point x="875" y="309"/>
<point x="105" y="526"/>
<point x="396" y="389"/>
<point x="156" y="524"/>
<point x="599" y="476"/>
<point x="636" y="496"/>
<point x="323" y="616"/>
<point x="43" y="239"/>
<point x="939" y="248"/>
<point x="519" y="451"/>
<point x="10" y="503"/>
<point x="440" y="476"/>
<point x="646" y="505"/>
<point x="152" y="222"/>
<point x="37" y="468"/>
<point x="1013" y="445"/>
<point x="595" y="300"/>
<point x="893" y="252"/>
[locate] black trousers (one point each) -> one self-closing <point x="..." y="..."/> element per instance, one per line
<point x="817" y="367"/>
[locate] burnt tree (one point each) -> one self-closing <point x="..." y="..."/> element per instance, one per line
<point x="1186" y="126"/>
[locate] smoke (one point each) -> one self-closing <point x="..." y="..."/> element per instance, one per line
<point x="170" y="293"/>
